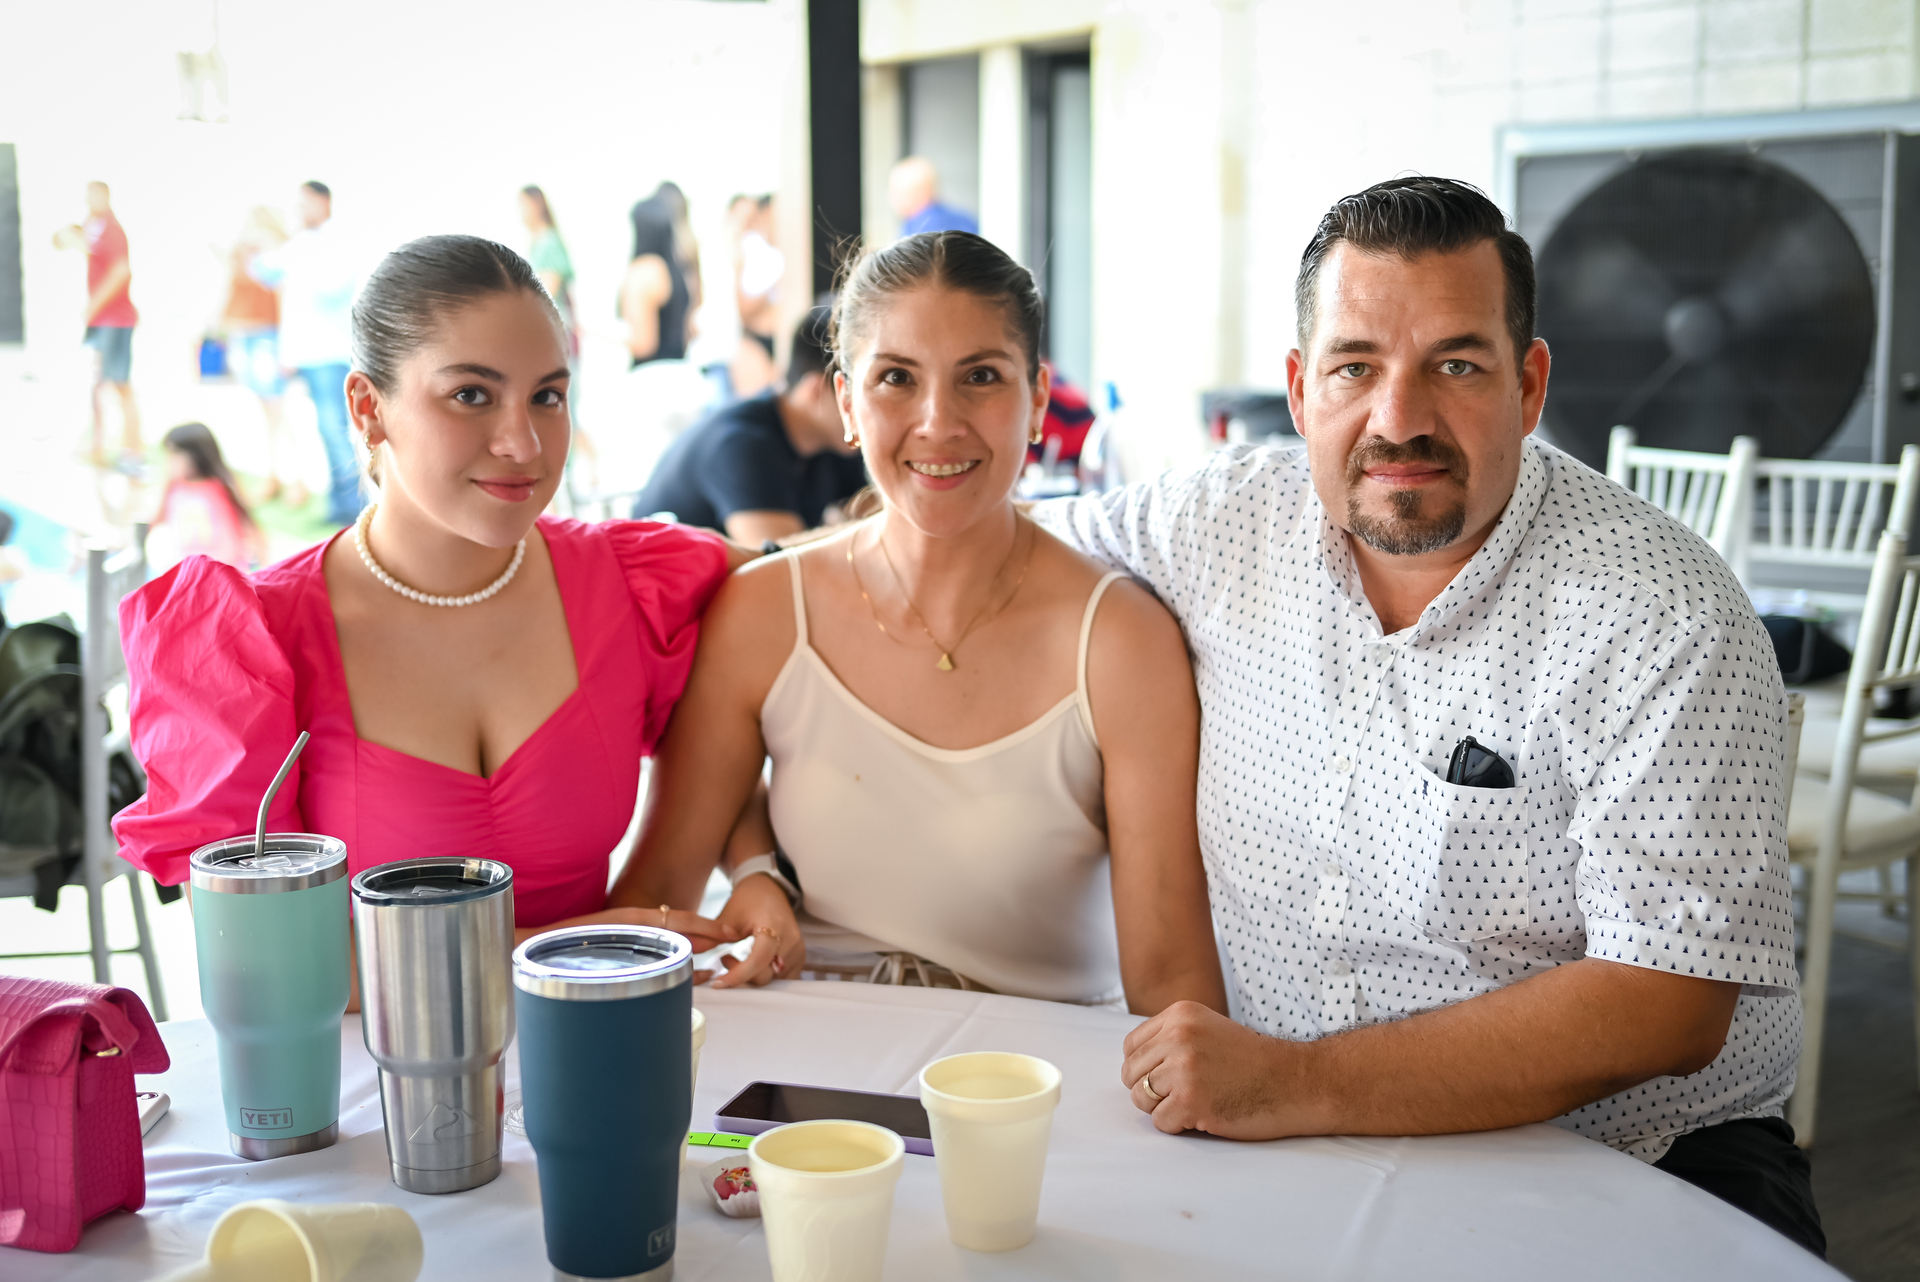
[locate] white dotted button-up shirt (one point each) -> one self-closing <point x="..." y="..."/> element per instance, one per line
<point x="1600" y="647"/>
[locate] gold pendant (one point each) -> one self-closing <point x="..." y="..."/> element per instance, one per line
<point x="946" y="663"/>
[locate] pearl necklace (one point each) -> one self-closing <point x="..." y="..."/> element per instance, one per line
<point x="414" y="594"/>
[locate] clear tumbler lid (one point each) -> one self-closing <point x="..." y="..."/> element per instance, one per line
<point x="602" y="963"/>
<point x="293" y="861"/>
<point x="431" y="882"/>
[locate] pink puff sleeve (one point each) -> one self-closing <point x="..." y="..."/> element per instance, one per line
<point x="212" y="713"/>
<point x="672" y="572"/>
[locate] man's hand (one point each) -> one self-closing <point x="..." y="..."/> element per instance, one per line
<point x="1211" y="1075"/>
<point x="1527" y="1052"/>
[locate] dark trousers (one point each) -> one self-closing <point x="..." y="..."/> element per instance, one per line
<point x="1752" y="1163"/>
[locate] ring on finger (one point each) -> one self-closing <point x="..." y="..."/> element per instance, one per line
<point x="664" y="910"/>
<point x="1146" y="1080"/>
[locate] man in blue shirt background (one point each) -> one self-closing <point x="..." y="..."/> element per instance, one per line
<point x="913" y="189"/>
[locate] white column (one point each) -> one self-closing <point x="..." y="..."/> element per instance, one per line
<point x="880" y="145"/>
<point x="1236" y="129"/>
<point x="1003" y="149"/>
<point x="1160" y="245"/>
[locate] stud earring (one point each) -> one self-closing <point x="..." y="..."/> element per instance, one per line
<point x="1039" y="434"/>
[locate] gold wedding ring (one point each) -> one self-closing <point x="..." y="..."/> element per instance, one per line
<point x="663" y="916"/>
<point x="1146" y="1080"/>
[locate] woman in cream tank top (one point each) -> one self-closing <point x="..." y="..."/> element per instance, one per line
<point x="994" y="858"/>
<point x="984" y="749"/>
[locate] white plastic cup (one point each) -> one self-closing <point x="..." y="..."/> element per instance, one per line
<point x="991" y="1114"/>
<point x="826" y="1196"/>
<point x="699" y="1040"/>
<point x="274" y="1241"/>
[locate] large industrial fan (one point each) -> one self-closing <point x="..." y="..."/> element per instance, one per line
<point x="1699" y="295"/>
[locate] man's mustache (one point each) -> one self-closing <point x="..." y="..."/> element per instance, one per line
<point x="1373" y="451"/>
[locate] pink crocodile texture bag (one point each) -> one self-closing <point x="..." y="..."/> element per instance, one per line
<point x="69" y="1123"/>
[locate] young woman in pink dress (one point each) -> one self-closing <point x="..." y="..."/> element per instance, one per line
<point x="476" y="678"/>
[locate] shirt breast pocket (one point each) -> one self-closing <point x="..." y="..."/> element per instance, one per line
<point x="1476" y="846"/>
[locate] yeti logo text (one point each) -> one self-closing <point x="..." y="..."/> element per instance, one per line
<point x="660" y="1241"/>
<point x="266" y="1119"/>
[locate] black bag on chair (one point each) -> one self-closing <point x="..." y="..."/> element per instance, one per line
<point x="1805" y="651"/>
<point x="41" y="829"/>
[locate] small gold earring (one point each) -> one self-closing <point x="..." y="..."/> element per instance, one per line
<point x="1039" y="435"/>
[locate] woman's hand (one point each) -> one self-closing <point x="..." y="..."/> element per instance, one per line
<point x="702" y="932"/>
<point x="760" y="908"/>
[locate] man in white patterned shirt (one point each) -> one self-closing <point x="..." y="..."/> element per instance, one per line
<point x="1607" y="941"/>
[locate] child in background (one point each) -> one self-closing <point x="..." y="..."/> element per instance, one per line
<point x="201" y="511"/>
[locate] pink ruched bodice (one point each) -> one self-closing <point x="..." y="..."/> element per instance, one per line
<point x="227" y="670"/>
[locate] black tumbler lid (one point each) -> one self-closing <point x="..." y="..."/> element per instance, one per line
<point x="602" y="963"/>
<point x="431" y="882"/>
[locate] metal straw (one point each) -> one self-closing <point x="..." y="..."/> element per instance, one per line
<point x="260" y="828"/>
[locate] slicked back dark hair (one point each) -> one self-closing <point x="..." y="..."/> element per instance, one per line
<point x="954" y="259"/>
<point x="1408" y="217"/>
<point x="412" y="291"/>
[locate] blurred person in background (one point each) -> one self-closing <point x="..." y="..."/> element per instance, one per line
<point x="758" y="266"/>
<point x="548" y="256"/>
<point x="768" y="466"/>
<point x="662" y="393"/>
<point x="110" y="320"/>
<point x="251" y="322"/>
<point x="314" y="274"/>
<point x="1069" y="419"/>
<point x="201" y="512"/>
<point x="654" y="298"/>
<point x="686" y="247"/>
<point x="913" y="190"/>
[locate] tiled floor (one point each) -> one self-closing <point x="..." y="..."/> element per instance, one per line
<point x="1866" y="1167"/>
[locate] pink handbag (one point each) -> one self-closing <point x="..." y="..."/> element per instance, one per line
<point x="69" y="1123"/>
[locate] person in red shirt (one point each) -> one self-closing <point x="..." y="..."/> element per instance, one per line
<point x="110" y="320"/>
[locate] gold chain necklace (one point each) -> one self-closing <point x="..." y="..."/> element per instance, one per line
<point x="946" y="663"/>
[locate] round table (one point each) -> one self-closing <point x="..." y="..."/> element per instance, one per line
<point x="1121" y="1200"/>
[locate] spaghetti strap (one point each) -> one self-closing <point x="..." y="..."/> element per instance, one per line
<point x="799" y="603"/>
<point x="1086" y="635"/>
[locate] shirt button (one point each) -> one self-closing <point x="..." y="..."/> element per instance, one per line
<point x="1342" y="765"/>
<point x="1339" y="969"/>
<point x="1329" y="870"/>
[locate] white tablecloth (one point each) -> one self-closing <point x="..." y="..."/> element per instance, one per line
<point x="1121" y="1200"/>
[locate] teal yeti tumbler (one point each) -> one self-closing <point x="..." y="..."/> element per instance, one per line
<point x="272" y="936"/>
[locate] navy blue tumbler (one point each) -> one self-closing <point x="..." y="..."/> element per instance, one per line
<point x="605" y="1029"/>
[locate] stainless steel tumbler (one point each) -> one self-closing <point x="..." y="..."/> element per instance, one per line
<point x="606" y="1081"/>
<point x="435" y="938"/>
<point x="271" y="935"/>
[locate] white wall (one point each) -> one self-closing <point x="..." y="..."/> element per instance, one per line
<point x="422" y="118"/>
<point x="1224" y="128"/>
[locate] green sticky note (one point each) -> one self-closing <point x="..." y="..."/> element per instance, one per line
<point x="713" y="1139"/>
